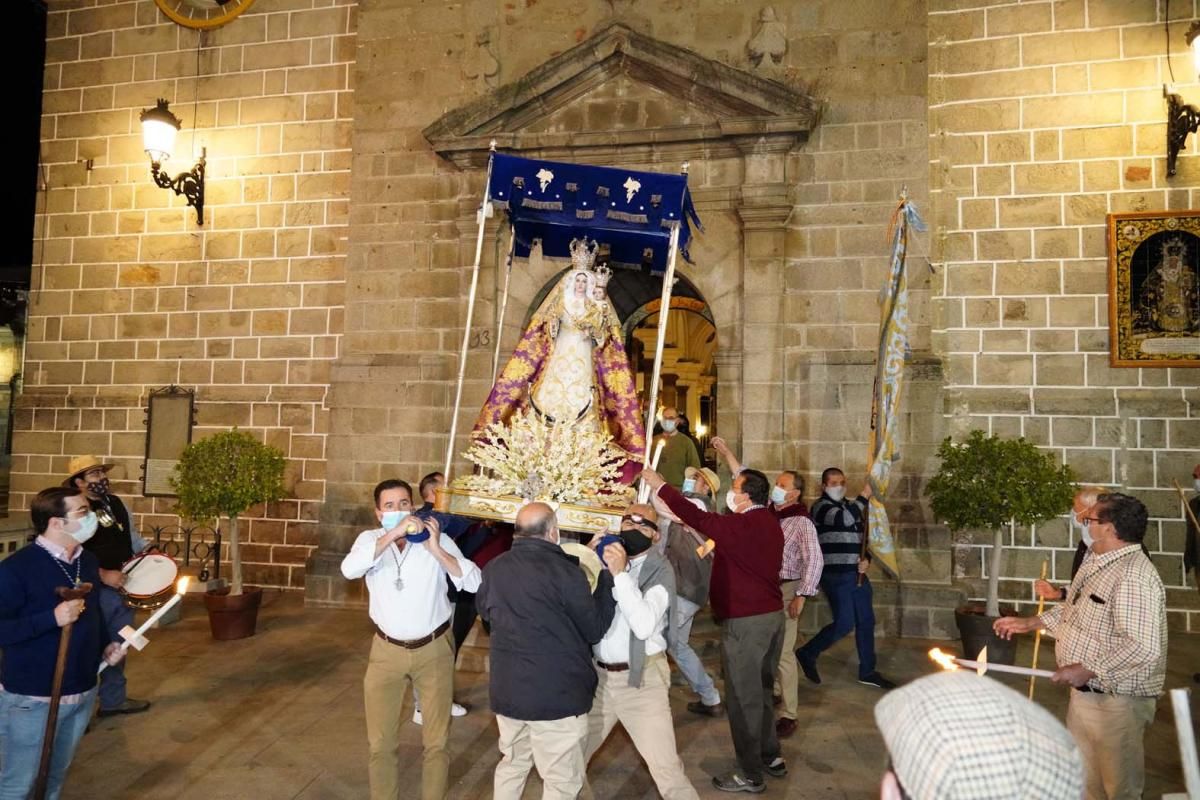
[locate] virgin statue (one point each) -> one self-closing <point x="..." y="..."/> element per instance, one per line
<point x="570" y="365"/>
<point x="1168" y="297"/>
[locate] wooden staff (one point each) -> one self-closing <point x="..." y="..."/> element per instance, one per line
<point x="1037" y="639"/>
<point x="1187" y="509"/>
<point x="60" y="666"/>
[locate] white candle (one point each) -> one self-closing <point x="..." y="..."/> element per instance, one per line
<point x="180" y="591"/>
<point x="989" y="667"/>
<point x="657" y="452"/>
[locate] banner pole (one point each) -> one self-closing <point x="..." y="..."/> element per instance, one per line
<point x="664" y="308"/>
<point x="512" y="241"/>
<point x="466" y="342"/>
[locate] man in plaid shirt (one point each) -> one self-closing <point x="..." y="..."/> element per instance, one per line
<point x="1111" y="646"/>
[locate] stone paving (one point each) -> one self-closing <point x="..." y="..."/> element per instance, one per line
<point x="279" y="717"/>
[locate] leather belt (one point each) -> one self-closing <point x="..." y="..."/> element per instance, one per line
<point x="413" y="644"/>
<point x="1086" y="688"/>
<point x="612" y="667"/>
<point x="782" y="581"/>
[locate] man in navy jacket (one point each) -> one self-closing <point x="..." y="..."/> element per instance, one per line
<point x="543" y="624"/>
<point x="31" y="614"/>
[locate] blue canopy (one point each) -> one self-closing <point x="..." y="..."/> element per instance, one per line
<point x="631" y="212"/>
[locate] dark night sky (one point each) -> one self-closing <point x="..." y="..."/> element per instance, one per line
<point x="24" y="57"/>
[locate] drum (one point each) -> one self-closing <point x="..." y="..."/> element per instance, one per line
<point x="589" y="562"/>
<point x="149" y="580"/>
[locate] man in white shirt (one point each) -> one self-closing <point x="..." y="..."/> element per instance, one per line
<point x="406" y="562"/>
<point x="631" y="660"/>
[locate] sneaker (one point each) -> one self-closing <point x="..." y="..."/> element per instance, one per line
<point x="455" y="711"/>
<point x="785" y="727"/>
<point x="130" y="706"/>
<point x="877" y="680"/>
<point x="737" y="782"/>
<point x="809" y="667"/>
<point x="777" y="768"/>
<point x="697" y="707"/>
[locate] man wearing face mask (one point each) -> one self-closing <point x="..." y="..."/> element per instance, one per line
<point x="631" y="661"/>
<point x="406" y="562"/>
<point x="746" y="598"/>
<point x="1085" y="498"/>
<point x="840" y="530"/>
<point x="116" y="541"/>
<point x="31" y="616"/>
<point x="542" y="678"/>
<point x="678" y="451"/>
<point x="693" y="573"/>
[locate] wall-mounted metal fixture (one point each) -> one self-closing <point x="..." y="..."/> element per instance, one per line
<point x="1182" y="119"/>
<point x="159" y="127"/>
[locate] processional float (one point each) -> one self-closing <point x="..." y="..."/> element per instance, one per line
<point x="524" y="449"/>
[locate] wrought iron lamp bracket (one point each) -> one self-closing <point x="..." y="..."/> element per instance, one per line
<point x="1182" y="119"/>
<point x="189" y="184"/>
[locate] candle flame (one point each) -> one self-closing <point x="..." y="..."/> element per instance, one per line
<point x="943" y="660"/>
<point x="181" y="585"/>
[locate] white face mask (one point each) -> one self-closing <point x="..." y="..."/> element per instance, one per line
<point x="1085" y="533"/>
<point x="1196" y="484"/>
<point x="87" y="528"/>
<point x="668" y="425"/>
<point x="689" y="485"/>
<point x="836" y="493"/>
<point x="778" y="495"/>
<point x="731" y="500"/>
<point x="392" y="518"/>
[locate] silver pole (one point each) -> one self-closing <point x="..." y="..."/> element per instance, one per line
<point x="1187" y="742"/>
<point x="664" y="308"/>
<point x="466" y="342"/>
<point x="512" y="241"/>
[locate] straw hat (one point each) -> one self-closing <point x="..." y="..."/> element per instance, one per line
<point x="81" y="464"/>
<point x="709" y="477"/>
<point x="960" y="736"/>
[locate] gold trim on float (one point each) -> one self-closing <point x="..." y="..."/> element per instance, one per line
<point x="571" y="517"/>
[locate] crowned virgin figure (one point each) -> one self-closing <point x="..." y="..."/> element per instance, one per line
<point x="570" y="365"/>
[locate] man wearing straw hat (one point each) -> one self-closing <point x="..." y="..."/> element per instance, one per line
<point x="960" y="736"/>
<point x="115" y="542"/>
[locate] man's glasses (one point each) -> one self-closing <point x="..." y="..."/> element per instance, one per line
<point x="1094" y="519"/>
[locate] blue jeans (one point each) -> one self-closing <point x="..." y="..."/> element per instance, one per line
<point x="852" y="609"/>
<point x="22" y="727"/>
<point x="685" y="657"/>
<point x="116" y="616"/>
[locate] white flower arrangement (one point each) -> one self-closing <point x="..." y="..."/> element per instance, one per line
<point x="557" y="463"/>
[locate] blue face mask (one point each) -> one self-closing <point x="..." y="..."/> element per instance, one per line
<point x="689" y="485"/>
<point x="778" y="495"/>
<point x="392" y="518"/>
<point x="668" y="425"/>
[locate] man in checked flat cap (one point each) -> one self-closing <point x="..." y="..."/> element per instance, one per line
<point x="959" y="736"/>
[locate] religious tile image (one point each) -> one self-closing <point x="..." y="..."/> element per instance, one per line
<point x="1154" y="289"/>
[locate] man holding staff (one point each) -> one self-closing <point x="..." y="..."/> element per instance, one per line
<point x="1111" y="647"/>
<point x="31" y="616"/>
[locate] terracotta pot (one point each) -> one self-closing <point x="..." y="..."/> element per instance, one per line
<point x="975" y="628"/>
<point x="233" y="617"/>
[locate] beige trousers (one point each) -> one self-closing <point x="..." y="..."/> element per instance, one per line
<point x="645" y="714"/>
<point x="787" y="677"/>
<point x="1109" y="730"/>
<point x="554" y="746"/>
<point x="390" y="671"/>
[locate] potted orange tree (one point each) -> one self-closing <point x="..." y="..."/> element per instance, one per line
<point x="224" y="475"/>
<point x="990" y="483"/>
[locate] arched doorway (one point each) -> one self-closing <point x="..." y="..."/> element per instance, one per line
<point x="688" y="380"/>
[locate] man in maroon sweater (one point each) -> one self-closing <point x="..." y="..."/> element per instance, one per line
<point x="745" y="596"/>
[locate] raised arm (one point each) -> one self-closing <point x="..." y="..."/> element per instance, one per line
<point x="721" y="447"/>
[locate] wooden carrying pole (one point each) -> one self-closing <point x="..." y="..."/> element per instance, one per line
<point x="512" y="241"/>
<point x="1187" y="742"/>
<point x="1037" y="639"/>
<point x="466" y="342"/>
<point x="60" y="667"/>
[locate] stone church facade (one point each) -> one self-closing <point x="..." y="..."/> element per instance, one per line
<point x="322" y="304"/>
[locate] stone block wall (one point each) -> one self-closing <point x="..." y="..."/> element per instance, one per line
<point x="1045" y="116"/>
<point x="130" y="294"/>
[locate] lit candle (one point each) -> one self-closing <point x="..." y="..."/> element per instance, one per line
<point x="947" y="661"/>
<point x="135" y="638"/>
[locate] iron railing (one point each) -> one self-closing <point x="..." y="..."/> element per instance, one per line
<point x="187" y="544"/>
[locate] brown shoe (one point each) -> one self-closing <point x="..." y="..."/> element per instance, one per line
<point x="697" y="707"/>
<point x="785" y="727"/>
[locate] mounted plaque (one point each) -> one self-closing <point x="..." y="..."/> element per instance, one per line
<point x="170" y="414"/>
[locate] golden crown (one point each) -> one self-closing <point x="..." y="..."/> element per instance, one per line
<point x="583" y="256"/>
<point x="603" y="274"/>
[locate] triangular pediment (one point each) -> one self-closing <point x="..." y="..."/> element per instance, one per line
<point x="657" y="95"/>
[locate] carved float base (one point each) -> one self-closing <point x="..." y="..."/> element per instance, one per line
<point x="571" y="517"/>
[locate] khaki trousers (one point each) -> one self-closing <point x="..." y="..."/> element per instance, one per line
<point x="390" y="671"/>
<point x="787" y="677"/>
<point x="554" y="746"/>
<point x="645" y="712"/>
<point x="1110" y="730"/>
